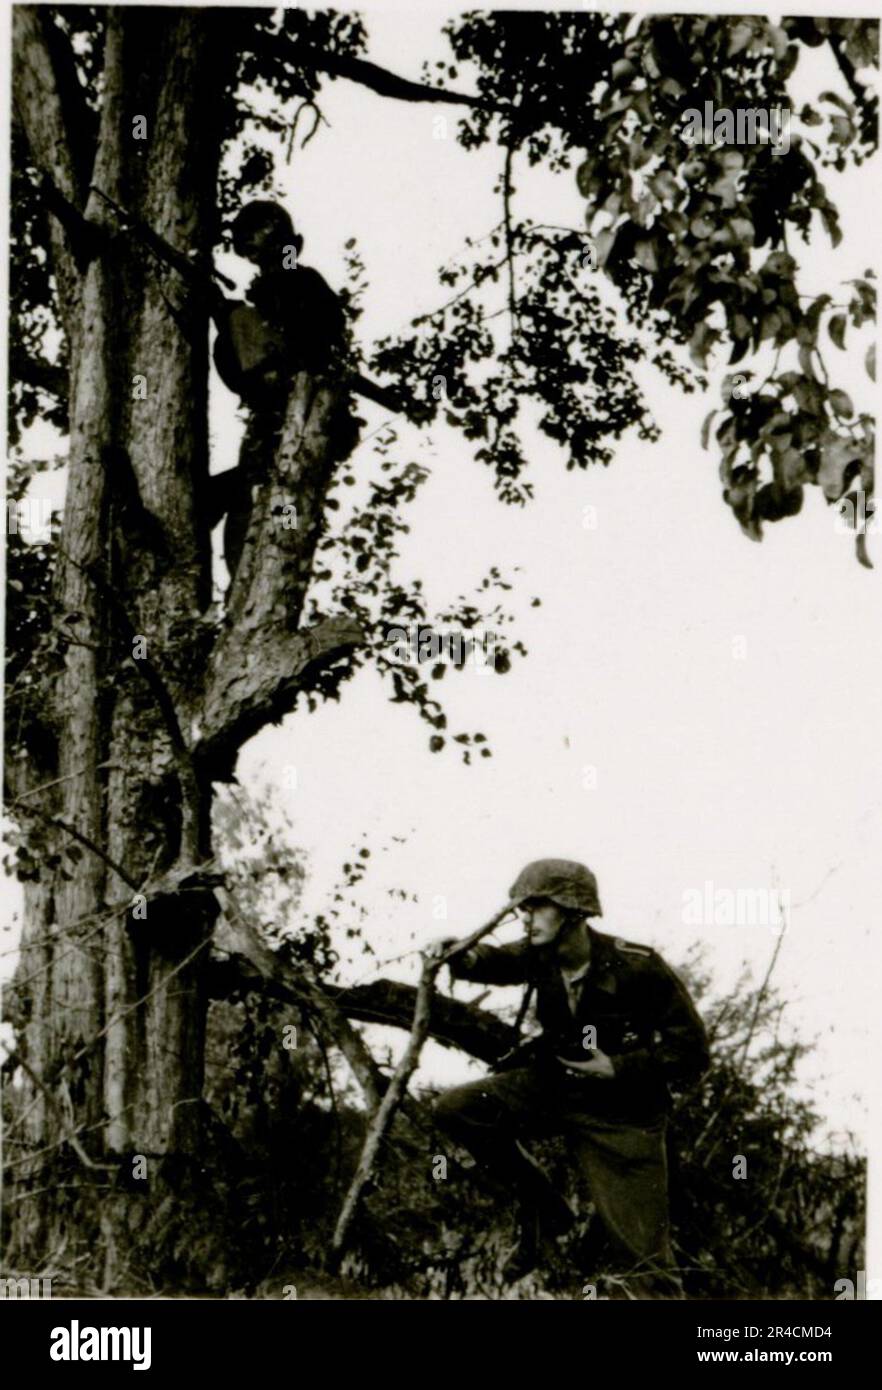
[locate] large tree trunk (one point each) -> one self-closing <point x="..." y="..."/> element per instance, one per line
<point x="115" y="1003"/>
<point x="155" y="698"/>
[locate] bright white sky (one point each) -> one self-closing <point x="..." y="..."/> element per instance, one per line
<point x="752" y="773"/>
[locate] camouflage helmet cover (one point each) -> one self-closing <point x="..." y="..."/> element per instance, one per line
<point x="563" y="881"/>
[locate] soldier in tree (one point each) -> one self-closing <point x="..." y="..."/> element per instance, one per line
<point x="293" y="322"/>
<point x="618" y="1030"/>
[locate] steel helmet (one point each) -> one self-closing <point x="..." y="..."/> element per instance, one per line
<point x="562" y="881"/>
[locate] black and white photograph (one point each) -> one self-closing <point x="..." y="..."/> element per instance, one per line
<point x="441" y="797"/>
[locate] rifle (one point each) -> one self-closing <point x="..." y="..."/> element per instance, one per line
<point x="518" y="1054"/>
<point x="170" y="255"/>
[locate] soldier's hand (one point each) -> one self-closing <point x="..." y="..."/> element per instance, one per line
<point x="598" y="1064"/>
<point x="436" y="948"/>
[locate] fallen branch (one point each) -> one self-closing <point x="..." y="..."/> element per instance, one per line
<point x="302" y="988"/>
<point x="389" y="1003"/>
<point x="398" y="1085"/>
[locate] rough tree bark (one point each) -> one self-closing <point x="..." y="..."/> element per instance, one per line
<point x="111" y="995"/>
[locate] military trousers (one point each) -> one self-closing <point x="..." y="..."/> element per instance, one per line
<point x="623" y="1162"/>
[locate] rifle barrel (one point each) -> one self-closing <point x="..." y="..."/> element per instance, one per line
<point x="162" y="248"/>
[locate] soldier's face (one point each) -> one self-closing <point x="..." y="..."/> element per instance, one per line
<point x="543" y="920"/>
<point x="263" y="245"/>
<point x="257" y="246"/>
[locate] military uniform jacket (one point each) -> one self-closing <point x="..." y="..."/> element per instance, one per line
<point x="643" y="1017"/>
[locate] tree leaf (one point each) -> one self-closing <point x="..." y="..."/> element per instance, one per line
<point x="836" y="455"/>
<point x="841" y="403"/>
<point x="744" y="229"/>
<point x="699" y="344"/>
<point x="771" y="324"/>
<point x="805" y="361"/>
<point x="837" y="101"/>
<point x="860" y="547"/>
<point x="585" y="178"/>
<point x="790" y="469"/>
<point x="739" y="38"/>
<point x="621" y="68"/>
<point x="645" y="254"/>
<point x="603" y="244"/>
<point x="664" y="186"/>
<point x="701" y="227"/>
<point x="836" y="328"/>
<point x="830" y="219"/>
<point x="813" y="315"/>
<point x="705" y="429"/>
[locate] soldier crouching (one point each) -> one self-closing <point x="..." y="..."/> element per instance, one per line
<point x="618" y="1029"/>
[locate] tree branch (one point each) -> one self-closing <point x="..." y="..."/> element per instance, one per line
<point x="82" y="839"/>
<point x="391" y="1100"/>
<point x="51" y="125"/>
<point x="303" y="989"/>
<point x="37" y="372"/>
<point x="388" y="84"/>
<point x="15" y="1059"/>
<point x="47" y="118"/>
<point x="80" y="121"/>
<point x="259" y="660"/>
<point x="472" y="1030"/>
<point x="509" y="242"/>
<point x="260" y="686"/>
<point x="397" y="1089"/>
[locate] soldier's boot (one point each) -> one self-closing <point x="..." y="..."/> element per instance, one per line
<point x="543" y="1216"/>
<point x="540" y="1200"/>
